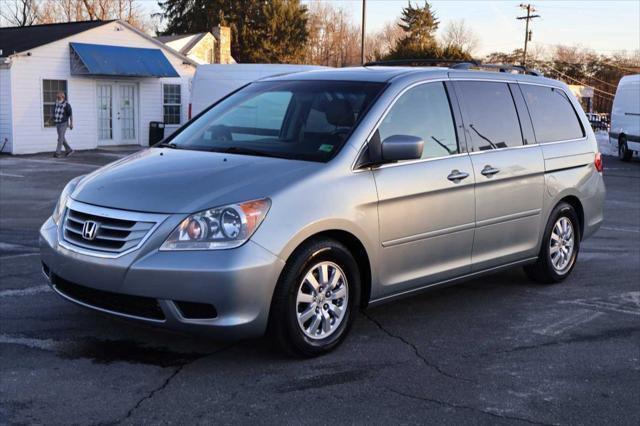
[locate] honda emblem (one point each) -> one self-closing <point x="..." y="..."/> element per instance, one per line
<point x="90" y="230"/>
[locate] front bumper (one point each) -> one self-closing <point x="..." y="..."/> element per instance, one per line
<point x="238" y="283"/>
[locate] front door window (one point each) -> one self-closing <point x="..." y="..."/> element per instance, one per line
<point x="105" y="112"/>
<point x="127" y="112"/>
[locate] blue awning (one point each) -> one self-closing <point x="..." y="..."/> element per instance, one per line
<point x="103" y="60"/>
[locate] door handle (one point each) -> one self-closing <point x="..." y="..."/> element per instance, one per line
<point x="489" y="171"/>
<point x="456" y="176"/>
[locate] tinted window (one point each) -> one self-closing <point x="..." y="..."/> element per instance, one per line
<point x="423" y="111"/>
<point x="490" y="114"/>
<point x="554" y="119"/>
<point x="308" y="120"/>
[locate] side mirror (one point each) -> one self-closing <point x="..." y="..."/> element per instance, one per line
<point x="402" y="147"/>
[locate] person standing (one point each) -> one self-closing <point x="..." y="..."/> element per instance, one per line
<point x="63" y="118"/>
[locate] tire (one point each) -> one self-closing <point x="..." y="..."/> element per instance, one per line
<point x="624" y="154"/>
<point x="297" y="296"/>
<point x="560" y="247"/>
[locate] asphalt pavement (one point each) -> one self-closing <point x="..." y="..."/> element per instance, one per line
<point x="495" y="350"/>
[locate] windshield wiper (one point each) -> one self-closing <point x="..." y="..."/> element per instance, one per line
<point x="168" y="145"/>
<point x="247" y="151"/>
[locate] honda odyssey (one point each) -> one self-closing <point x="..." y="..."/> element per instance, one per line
<point x="296" y="200"/>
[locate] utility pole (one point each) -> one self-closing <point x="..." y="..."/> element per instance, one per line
<point x="527" y="34"/>
<point x="364" y="12"/>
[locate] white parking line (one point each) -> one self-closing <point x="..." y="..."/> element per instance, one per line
<point x="43" y="344"/>
<point x="16" y="292"/>
<point x="624" y="303"/>
<point x="566" y="324"/>
<point x="10" y="175"/>
<point x="620" y="229"/>
<point x="16" y="256"/>
<point x="52" y="161"/>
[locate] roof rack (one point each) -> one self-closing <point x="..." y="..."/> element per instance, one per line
<point x="510" y="67"/>
<point x="419" y="62"/>
<point x="456" y="64"/>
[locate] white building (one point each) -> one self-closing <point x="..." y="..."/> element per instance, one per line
<point x="117" y="79"/>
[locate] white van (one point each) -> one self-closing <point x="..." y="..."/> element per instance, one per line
<point x="625" y="117"/>
<point x="213" y="82"/>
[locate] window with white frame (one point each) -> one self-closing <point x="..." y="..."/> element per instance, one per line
<point x="172" y="103"/>
<point x="50" y="89"/>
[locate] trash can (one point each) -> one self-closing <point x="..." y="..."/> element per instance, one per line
<point x="156" y="132"/>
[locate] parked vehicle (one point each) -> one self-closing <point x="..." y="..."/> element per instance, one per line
<point x="625" y="117"/>
<point x="291" y="203"/>
<point x="213" y="82"/>
<point x="596" y="121"/>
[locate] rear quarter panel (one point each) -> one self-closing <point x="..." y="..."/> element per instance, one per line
<point x="570" y="171"/>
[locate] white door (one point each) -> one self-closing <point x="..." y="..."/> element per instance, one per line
<point x="117" y="113"/>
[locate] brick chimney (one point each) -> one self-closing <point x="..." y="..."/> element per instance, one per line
<point x="222" y="49"/>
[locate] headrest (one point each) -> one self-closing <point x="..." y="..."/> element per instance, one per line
<point x="340" y="113"/>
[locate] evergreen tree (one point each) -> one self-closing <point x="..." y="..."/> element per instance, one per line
<point x="419" y="24"/>
<point x="261" y="30"/>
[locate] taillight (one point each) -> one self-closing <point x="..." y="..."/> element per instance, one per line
<point x="598" y="162"/>
<point x="189" y="110"/>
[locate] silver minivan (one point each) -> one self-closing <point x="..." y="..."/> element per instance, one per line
<point x="298" y="199"/>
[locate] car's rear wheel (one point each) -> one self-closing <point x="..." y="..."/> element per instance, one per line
<point x="315" y="299"/>
<point x="560" y="246"/>
<point x="624" y="153"/>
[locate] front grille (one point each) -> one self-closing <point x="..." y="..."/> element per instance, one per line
<point x="138" y="306"/>
<point x="112" y="236"/>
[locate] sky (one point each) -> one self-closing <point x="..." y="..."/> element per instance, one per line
<point x="605" y="26"/>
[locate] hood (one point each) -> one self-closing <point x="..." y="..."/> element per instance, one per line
<point x="181" y="181"/>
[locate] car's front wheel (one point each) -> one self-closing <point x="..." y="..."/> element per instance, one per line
<point x="315" y="299"/>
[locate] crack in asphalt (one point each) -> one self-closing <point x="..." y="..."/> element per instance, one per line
<point x="415" y="349"/>
<point x="165" y="383"/>
<point x="466" y="407"/>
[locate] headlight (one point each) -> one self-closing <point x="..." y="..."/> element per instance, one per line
<point x="218" y="228"/>
<point x="58" y="211"/>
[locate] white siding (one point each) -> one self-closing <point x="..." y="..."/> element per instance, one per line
<point x="6" y="138"/>
<point x="51" y="61"/>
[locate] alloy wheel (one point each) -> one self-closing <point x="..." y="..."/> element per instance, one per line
<point x="561" y="245"/>
<point x="322" y="300"/>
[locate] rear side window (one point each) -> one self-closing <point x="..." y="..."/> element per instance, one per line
<point x="490" y="114"/>
<point x="423" y="111"/>
<point x="553" y="116"/>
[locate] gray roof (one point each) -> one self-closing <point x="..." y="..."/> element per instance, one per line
<point x="19" y="39"/>
<point x="385" y="74"/>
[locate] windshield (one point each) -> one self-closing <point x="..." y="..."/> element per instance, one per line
<point x="306" y="120"/>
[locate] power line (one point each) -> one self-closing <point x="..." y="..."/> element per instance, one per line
<point x="527" y="34"/>
<point x="581" y="82"/>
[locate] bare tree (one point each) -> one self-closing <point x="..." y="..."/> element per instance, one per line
<point x="458" y="35"/>
<point x="379" y="44"/>
<point x="30" y="12"/>
<point x="19" y="13"/>
<point x="333" y="39"/>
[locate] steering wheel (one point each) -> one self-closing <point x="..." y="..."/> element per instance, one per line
<point x="221" y="133"/>
<point x="341" y="132"/>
